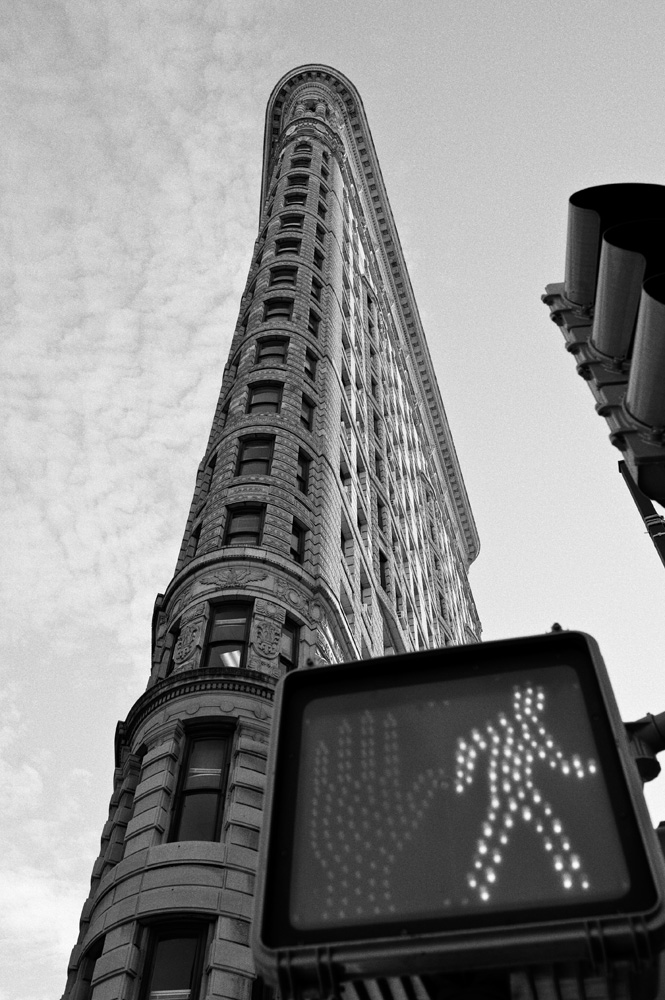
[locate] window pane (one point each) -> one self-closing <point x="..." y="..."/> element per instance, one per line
<point x="256" y="449"/>
<point x="206" y="764"/>
<point x="225" y="654"/>
<point x="198" y="820"/>
<point x="287" y="642"/>
<point x="272" y="349"/>
<point x="249" y="523"/>
<point x="229" y="622"/>
<point x="264" y="399"/>
<point x="173" y="965"/>
<point x="230" y="656"/>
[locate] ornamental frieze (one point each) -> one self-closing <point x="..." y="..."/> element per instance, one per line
<point x="231" y="579"/>
<point x="270" y="610"/>
<point x="309" y="609"/>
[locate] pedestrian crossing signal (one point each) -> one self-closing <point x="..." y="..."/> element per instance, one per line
<point x="473" y="806"/>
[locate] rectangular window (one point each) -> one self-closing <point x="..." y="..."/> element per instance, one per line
<point x="381" y="514"/>
<point x="174" y="961"/>
<point x="302" y="475"/>
<point x="255" y="456"/>
<point x="310" y="365"/>
<point x="313" y="323"/>
<point x="325" y="173"/>
<point x="288" y="646"/>
<point x="322" y="210"/>
<point x="283" y="276"/>
<point x="302" y="147"/>
<point x="281" y="309"/>
<point x="199" y="799"/>
<point x="264" y="397"/>
<point x="317" y="288"/>
<point x="302" y="162"/>
<point x="193" y="543"/>
<point x="307" y="413"/>
<point x="297" y="180"/>
<point x="287" y="244"/>
<point x="318" y="259"/>
<point x="383" y="572"/>
<point x="297" y="550"/>
<point x="291" y="221"/>
<point x="229" y="632"/>
<point x="292" y="198"/>
<point x="320" y="233"/>
<point x="272" y="349"/>
<point x="244" y="525"/>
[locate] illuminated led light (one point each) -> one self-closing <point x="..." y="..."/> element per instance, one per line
<point x="484" y="894"/>
<point x="490" y="875"/>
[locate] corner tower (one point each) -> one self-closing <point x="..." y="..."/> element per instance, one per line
<point x="329" y="522"/>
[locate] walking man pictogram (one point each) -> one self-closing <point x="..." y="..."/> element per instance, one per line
<point x="515" y="744"/>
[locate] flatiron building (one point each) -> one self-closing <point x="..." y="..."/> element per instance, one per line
<point x="329" y="523"/>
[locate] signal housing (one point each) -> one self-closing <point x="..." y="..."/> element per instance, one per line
<point x="365" y="753"/>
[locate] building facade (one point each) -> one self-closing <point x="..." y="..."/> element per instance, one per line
<point x="329" y="522"/>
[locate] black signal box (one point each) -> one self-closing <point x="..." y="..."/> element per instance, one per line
<point x="449" y="810"/>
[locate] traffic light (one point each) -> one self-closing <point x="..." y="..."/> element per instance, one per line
<point x="611" y="308"/>
<point x="471" y="808"/>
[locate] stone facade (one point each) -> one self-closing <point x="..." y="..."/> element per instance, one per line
<point x="329" y="522"/>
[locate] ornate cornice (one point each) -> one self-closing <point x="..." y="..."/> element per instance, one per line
<point x="350" y="123"/>
<point x="204" y="680"/>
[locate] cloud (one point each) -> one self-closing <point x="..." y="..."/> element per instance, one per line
<point x="129" y="193"/>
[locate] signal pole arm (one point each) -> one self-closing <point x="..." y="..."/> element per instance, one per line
<point x="647" y="738"/>
<point x="654" y="523"/>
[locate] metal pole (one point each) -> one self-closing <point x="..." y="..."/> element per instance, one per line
<point x="654" y="523"/>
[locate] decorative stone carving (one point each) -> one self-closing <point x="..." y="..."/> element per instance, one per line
<point x="231" y="579"/>
<point x="270" y="610"/>
<point x="324" y="649"/>
<point x="196" y="611"/>
<point x="187" y="651"/>
<point x="267" y="634"/>
<point x="184" y="599"/>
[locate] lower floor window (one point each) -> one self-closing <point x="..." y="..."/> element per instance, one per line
<point x="174" y="962"/>
<point x="199" y="799"/>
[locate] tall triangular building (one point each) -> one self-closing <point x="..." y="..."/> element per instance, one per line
<point x="329" y="522"/>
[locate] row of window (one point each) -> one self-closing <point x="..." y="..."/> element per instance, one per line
<point x="255" y="455"/>
<point x="244" y="526"/>
<point x="174" y="962"/>
<point x="274" y="350"/>
<point x="266" y="397"/>
<point x="228" y="637"/>
<point x="281" y="310"/>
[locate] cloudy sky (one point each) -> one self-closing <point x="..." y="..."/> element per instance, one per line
<point x="130" y="168"/>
